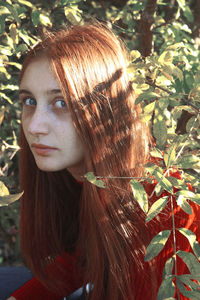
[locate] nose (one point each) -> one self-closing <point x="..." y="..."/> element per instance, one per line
<point x="39" y="124"/>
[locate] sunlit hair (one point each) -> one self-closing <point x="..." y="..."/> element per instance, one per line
<point x="105" y="226"/>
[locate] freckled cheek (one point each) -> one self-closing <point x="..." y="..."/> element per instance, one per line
<point x="69" y="137"/>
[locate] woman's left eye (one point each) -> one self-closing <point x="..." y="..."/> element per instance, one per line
<point x="60" y="103"/>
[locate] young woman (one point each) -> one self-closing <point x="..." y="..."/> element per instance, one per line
<point x="79" y="116"/>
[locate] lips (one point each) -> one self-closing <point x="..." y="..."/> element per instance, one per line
<point x="43" y="150"/>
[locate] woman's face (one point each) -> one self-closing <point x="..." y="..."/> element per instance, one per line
<point x="46" y="122"/>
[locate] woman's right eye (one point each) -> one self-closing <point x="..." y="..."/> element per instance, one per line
<point x="29" y="101"/>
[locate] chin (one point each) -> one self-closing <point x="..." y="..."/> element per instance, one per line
<point x="49" y="167"/>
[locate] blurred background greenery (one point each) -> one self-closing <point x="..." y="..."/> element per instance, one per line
<point x="163" y="37"/>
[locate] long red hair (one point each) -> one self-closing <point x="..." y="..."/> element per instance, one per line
<point x="57" y="215"/>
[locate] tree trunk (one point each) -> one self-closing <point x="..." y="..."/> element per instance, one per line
<point x="145" y="28"/>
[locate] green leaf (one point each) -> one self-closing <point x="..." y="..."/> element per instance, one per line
<point x="21" y="48"/>
<point x="64" y="2"/>
<point x="170" y="155"/>
<point x="187" y="279"/>
<point x="92" y="178"/>
<point x="167" y="289"/>
<point x="194" y="93"/>
<point x="14" y="33"/>
<point x="139" y="194"/>
<point x="2" y="24"/>
<point x="188" y="14"/>
<point x="11" y="87"/>
<point x="12" y="11"/>
<point x="3" y="190"/>
<point x="196" y="198"/>
<point x="155" y="152"/>
<point x="188" y="162"/>
<point x="150" y="107"/>
<point x="177" y="72"/>
<point x="166" y="57"/>
<point x="35" y="17"/>
<point x="181" y="3"/>
<point x="186" y="193"/>
<point x="146" y="117"/>
<point x="192" y="240"/>
<point x="176" y="46"/>
<point x="146" y="96"/>
<point x="45" y="20"/>
<point x="6" y="200"/>
<point x="163" y="103"/>
<point x="151" y="167"/>
<point x="157" y="244"/>
<point x="160" y="132"/>
<point x="73" y="18"/>
<point x="168" y="269"/>
<point x="163" y="181"/>
<point x="17" y="65"/>
<point x="182" y="202"/>
<point x="156" y="208"/>
<point x="192" y="124"/>
<point x="5" y="50"/>
<point x="175" y="182"/>
<point x="185" y="107"/>
<point x="191" y="262"/>
<point x="25" y="36"/>
<point x="135" y="54"/>
<point x="6" y="98"/>
<point x="157" y="172"/>
<point x="192" y="295"/>
<point x="68" y="2"/>
<point x="173" y="70"/>
<point x="26" y="3"/>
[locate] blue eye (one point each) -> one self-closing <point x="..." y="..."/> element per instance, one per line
<point x="29" y="101"/>
<point x="60" y="103"/>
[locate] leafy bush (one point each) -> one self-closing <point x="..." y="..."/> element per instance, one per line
<point x="163" y="39"/>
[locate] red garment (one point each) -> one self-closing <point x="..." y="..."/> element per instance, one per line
<point x="34" y="290"/>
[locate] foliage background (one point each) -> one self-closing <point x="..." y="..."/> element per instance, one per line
<point x="163" y="37"/>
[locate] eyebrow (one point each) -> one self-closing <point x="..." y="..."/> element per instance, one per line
<point x="48" y="92"/>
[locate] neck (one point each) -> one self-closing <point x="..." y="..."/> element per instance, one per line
<point x="78" y="171"/>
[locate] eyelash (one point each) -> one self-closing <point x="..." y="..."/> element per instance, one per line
<point x="35" y="102"/>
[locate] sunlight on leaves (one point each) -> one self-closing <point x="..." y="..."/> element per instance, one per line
<point x="6" y="200"/>
<point x="182" y="202"/>
<point x="146" y="96"/>
<point x="155" y="152"/>
<point x="139" y="194"/>
<point x="134" y="55"/>
<point x="192" y="240"/>
<point x="188" y="162"/>
<point x="157" y="244"/>
<point x="163" y="181"/>
<point x="3" y="190"/>
<point x="92" y="179"/>
<point x="156" y="208"/>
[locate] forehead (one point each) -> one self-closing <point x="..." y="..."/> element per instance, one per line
<point x="38" y="74"/>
